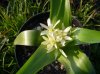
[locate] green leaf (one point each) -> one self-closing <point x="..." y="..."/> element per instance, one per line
<point x="38" y="60"/>
<point x="76" y="62"/>
<point x="67" y="65"/>
<point x="60" y="10"/>
<point x="28" y="37"/>
<point x="82" y="36"/>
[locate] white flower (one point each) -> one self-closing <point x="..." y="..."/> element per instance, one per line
<point x="54" y="38"/>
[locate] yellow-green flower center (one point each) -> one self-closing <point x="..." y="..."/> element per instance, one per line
<point x="54" y="38"/>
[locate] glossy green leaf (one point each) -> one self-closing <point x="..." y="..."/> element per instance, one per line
<point x="67" y="65"/>
<point x="76" y="62"/>
<point x="60" y="10"/>
<point x="38" y="60"/>
<point x="28" y="37"/>
<point x="82" y="36"/>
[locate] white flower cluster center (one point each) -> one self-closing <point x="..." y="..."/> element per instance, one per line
<point x="54" y="38"/>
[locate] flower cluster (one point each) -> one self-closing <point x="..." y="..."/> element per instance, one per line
<point x="54" y="38"/>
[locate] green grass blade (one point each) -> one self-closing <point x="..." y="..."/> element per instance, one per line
<point x="87" y="36"/>
<point x="76" y="62"/>
<point x="28" y="37"/>
<point x="37" y="61"/>
<point x="60" y="10"/>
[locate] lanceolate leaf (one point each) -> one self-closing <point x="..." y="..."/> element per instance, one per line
<point x="60" y="10"/>
<point x="67" y="65"/>
<point x="28" y="37"/>
<point x="67" y="14"/>
<point x="38" y="60"/>
<point x="54" y="7"/>
<point x="82" y="35"/>
<point x="76" y="62"/>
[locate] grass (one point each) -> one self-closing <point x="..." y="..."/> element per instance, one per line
<point x="87" y="12"/>
<point x="11" y="19"/>
<point x="17" y="12"/>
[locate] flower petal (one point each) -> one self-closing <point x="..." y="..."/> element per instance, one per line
<point x="55" y="46"/>
<point x="49" y="22"/>
<point x="43" y="25"/>
<point x="63" y="42"/>
<point x="67" y="29"/>
<point x="45" y="38"/>
<point x="44" y="32"/>
<point x="68" y="38"/>
<point x="44" y="42"/>
<point x="56" y="23"/>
